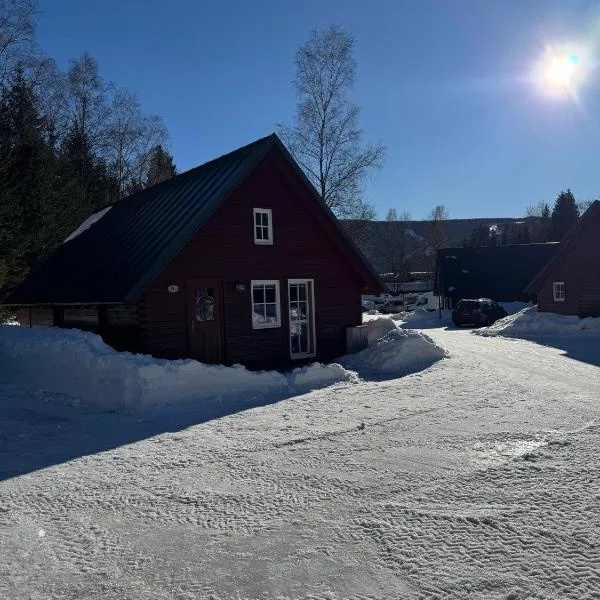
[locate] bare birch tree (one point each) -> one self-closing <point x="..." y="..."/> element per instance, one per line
<point x="326" y="139"/>
<point x="130" y="138"/>
<point x="17" y="30"/>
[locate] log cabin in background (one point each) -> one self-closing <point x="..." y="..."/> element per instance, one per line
<point x="235" y="261"/>
<point x="569" y="284"/>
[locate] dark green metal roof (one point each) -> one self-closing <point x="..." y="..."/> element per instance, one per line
<point x="497" y="272"/>
<point x="118" y="256"/>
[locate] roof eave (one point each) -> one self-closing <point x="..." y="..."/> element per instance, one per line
<point x="365" y="263"/>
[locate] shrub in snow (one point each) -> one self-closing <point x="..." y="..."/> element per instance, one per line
<point x="399" y="352"/>
<point x="81" y="365"/>
<point x="531" y="323"/>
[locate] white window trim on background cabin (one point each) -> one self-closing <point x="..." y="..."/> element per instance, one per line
<point x="558" y="291"/>
<point x="269" y="227"/>
<point x="311" y="299"/>
<point x="263" y="282"/>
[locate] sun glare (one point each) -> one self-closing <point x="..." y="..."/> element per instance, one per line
<point x="560" y="71"/>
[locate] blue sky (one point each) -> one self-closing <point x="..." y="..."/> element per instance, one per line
<point x="444" y="84"/>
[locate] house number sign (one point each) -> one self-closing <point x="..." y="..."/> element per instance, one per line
<point x="173" y="289"/>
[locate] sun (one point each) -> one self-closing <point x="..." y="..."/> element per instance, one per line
<point x="560" y="71"/>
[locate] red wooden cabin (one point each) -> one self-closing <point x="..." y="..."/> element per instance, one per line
<point x="235" y="261"/>
<point x="570" y="283"/>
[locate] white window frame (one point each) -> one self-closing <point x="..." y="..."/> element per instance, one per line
<point x="263" y="282"/>
<point x="558" y="291"/>
<point x="269" y="213"/>
<point x="313" y="351"/>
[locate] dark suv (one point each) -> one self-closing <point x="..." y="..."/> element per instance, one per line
<point x="479" y="313"/>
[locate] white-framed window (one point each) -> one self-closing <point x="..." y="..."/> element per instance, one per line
<point x="263" y="226"/>
<point x="302" y="318"/>
<point x="266" y="308"/>
<point x="558" y="291"/>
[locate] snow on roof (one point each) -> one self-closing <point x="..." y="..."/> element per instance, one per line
<point x="88" y="223"/>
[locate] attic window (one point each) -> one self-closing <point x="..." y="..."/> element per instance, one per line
<point x="558" y="291"/>
<point x="263" y="226"/>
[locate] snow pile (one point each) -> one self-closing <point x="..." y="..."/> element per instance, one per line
<point x="88" y="223"/>
<point x="378" y="326"/>
<point x="80" y="365"/>
<point x="421" y="319"/>
<point x="531" y="323"/>
<point x="318" y="375"/>
<point x="399" y="352"/>
<point x="512" y="308"/>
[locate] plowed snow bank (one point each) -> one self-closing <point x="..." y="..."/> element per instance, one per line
<point x="81" y="365"/>
<point x="399" y="352"/>
<point x="531" y="323"/>
<point x="424" y="319"/>
<point x="378" y="326"/>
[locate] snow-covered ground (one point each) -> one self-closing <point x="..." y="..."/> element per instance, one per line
<point x="477" y="478"/>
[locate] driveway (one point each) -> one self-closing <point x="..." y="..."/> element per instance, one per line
<point x="476" y="478"/>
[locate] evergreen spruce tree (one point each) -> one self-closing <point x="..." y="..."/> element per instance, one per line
<point x="27" y="184"/>
<point x="480" y="236"/>
<point x="545" y="224"/>
<point x="160" y="168"/>
<point x="564" y="215"/>
<point x="86" y="186"/>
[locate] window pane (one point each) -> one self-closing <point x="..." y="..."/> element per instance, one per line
<point x="259" y="233"/>
<point x="265" y="233"/>
<point x="302" y="292"/>
<point x="271" y="313"/>
<point x="258" y="294"/>
<point x="303" y="310"/>
<point x="265" y="219"/>
<point x="303" y="337"/>
<point x="293" y="292"/>
<point x="257" y="218"/>
<point x="270" y="295"/>
<point x="205" y="304"/>
<point x="294" y="311"/>
<point x="295" y="338"/>
<point x="258" y="317"/>
<point x="299" y="338"/>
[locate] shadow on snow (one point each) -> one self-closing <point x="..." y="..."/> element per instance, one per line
<point x="38" y="430"/>
<point x="584" y="349"/>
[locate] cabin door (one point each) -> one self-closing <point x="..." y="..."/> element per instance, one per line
<point x="302" y="318"/>
<point x="204" y="320"/>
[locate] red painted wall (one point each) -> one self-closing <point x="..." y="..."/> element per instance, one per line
<point x="579" y="268"/>
<point x="224" y="249"/>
